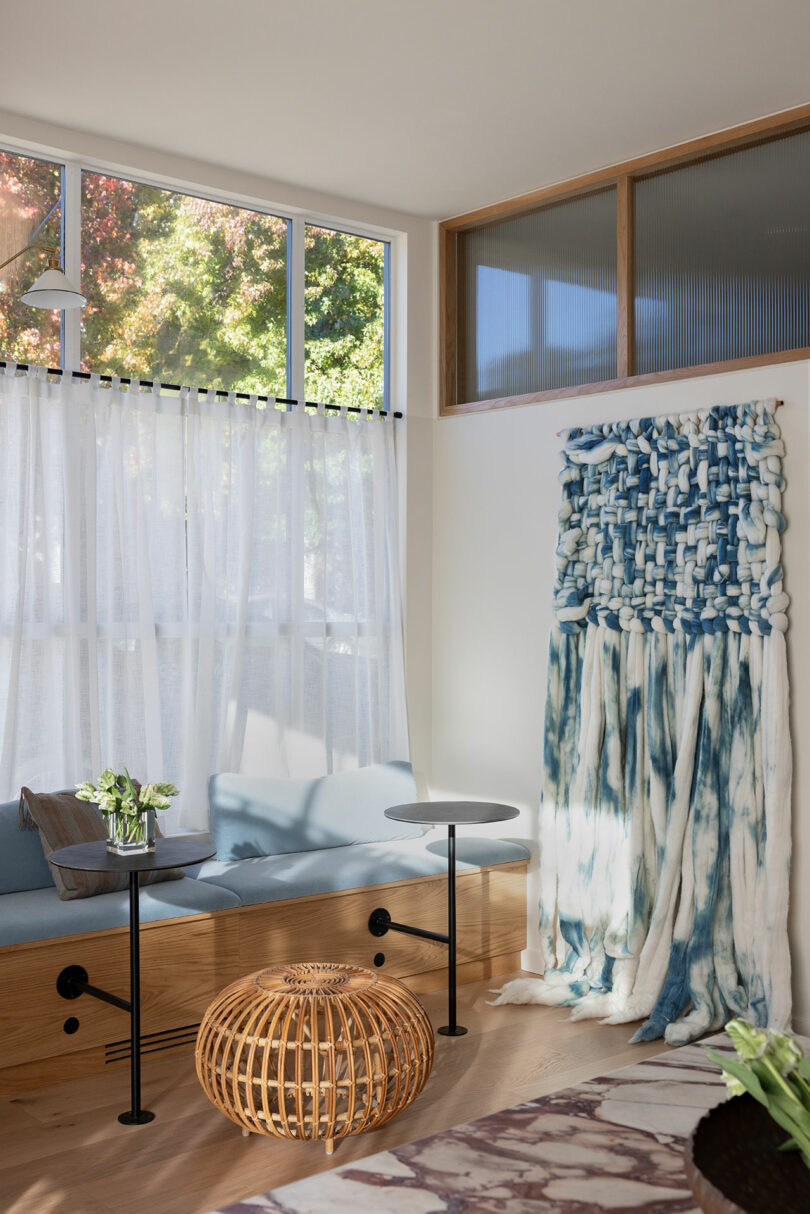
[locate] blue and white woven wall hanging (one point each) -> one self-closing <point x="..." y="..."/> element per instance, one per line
<point x="665" y="822"/>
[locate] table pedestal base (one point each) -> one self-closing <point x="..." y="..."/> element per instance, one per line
<point x="130" y="1118"/>
<point x="73" y="981"/>
<point x="449" y="814"/>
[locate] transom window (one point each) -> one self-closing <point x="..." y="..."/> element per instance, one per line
<point x="688" y="261"/>
<point x="188" y="290"/>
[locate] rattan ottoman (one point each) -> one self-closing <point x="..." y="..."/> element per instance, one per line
<point x="315" y="1050"/>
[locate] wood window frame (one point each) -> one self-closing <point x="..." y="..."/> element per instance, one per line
<point x="623" y="177"/>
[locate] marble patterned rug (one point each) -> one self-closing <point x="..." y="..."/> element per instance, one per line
<point x="614" y="1143"/>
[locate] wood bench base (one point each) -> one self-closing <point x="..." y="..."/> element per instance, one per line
<point x="186" y="962"/>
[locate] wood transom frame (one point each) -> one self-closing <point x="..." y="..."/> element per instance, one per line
<point x="622" y="177"/>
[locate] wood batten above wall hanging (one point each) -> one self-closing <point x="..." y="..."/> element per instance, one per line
<point x="690" y="261"/>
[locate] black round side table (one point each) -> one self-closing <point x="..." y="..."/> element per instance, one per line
<point x="450" y="814"/>
<point x="73" y="980"/>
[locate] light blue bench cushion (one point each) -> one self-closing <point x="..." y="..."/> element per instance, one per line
<point x="296" y="874"/>
<point x="22" y="860"/>
<point x="38" y="914"/>
<point x="261" y="816"/>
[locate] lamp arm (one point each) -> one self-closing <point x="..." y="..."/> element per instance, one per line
<point x="45" y="248"/>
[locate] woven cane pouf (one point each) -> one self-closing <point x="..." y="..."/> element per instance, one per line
<point x="314" y="1050"/>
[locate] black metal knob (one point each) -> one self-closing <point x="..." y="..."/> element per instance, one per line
<point x="378" y="921"/>
<point x="66" y="982"/>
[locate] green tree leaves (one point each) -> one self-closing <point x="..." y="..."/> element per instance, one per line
<point x="182" y="289"/>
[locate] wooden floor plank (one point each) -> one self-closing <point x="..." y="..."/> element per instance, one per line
<point x="64" y="1151"/>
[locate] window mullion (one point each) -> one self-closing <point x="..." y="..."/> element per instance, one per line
<point x="387" y="326"/>
<point x="296" y="358"/>
<point x="625" y="278"/>
<point x="72" y="254"/>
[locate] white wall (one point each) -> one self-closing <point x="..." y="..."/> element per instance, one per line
<point x="495" y="501"/>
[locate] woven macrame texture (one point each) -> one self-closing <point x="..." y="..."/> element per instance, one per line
<point x="673" y="524"/>
<point x="664" y="829"/>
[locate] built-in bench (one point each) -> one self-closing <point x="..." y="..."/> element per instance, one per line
<point x="300" y="865"/>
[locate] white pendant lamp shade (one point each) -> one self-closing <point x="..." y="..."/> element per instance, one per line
<point x="53" y="290"/>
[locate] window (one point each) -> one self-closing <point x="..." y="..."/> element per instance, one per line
<point x="681" y="262"/>
<point x="29" y="214"/>
<point x="188" y="290"/>
<point x="539" y="297"/>
<point x="182" y="289"/>
<point x="345" y="290"/>
<point x="722" y="257"/>
<point x="266" y="544"/>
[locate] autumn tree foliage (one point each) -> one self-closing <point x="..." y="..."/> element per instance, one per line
<point x="182" y="289"/>
<point x="29" y="190"/>
<point x="187" y="290"/>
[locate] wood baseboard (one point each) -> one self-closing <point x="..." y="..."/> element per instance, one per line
<point x="470" y="971"/>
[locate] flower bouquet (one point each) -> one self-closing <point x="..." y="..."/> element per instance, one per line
<point x="753" y="1153"/>
<point x="773" y="1069"/>
<point x="128" y="809"/>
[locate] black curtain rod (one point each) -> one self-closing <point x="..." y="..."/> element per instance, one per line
<point x="148" y="383"/>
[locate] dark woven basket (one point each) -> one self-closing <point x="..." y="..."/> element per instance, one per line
<point x="733" y="1163"/>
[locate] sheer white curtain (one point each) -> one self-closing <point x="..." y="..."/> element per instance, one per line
<point x="190" y="585"/>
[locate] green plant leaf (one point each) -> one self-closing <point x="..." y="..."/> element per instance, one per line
<point x="775" y="1083"/>
<point x="794" y="1109"/>
<point x="741" y="1072"/>
<point x="788" y="1124"/>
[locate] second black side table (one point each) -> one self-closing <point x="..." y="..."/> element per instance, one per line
<point x="73" y="980"/>
<point x="450" y="814"/>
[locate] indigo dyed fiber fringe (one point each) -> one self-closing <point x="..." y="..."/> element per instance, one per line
<point x="665" y="819"/>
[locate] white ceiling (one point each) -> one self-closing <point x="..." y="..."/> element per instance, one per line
<point x="428" y="106"/>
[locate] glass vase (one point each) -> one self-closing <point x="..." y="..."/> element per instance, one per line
<point x="131" y="834"/>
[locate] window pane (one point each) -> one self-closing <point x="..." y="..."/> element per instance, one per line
<point x="29" y="192"/>
<point x="345" y="318"/>
<point x="182" y="289"/>
<point x="723" y="258"/>
<point x="537" y="300"/>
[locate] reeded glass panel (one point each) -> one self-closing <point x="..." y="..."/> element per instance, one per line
<point x="344" y="294"/>
<point x="29" y="214"/>
<point x="537" y="300"/>
<point x="723" y="258"/>
<point x="182" y="289"/>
